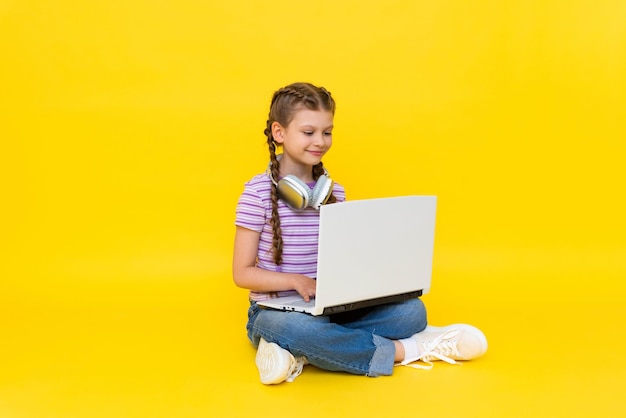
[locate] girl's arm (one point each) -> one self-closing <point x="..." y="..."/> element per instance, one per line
<point x="248" y="276"/>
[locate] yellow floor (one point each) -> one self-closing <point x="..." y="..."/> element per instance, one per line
<point x="172" y="354"/>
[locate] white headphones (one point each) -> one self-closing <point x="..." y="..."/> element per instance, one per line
<point x="297" y="194"/>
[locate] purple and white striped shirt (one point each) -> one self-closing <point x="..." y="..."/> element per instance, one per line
<point x="300" y="230"/>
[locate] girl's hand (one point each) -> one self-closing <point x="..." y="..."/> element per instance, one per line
<point x="304" y="285"/>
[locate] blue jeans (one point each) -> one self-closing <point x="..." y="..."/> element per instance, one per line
<point x="358" y="342"/>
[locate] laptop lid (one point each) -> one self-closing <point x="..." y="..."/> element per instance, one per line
<point x="375" y="248"/>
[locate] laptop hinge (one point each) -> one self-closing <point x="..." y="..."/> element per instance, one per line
<point x="329" y="310"/>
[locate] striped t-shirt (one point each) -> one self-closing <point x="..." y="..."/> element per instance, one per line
<point x="300" y="230"/>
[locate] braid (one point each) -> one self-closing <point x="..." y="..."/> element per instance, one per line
<point x="297" y="95"/>
<point x="285" y="102"/>
<point x="277" y="240"/>
<point x="318" y="170"/>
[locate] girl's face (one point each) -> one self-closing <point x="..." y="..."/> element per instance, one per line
<point x="306" y="138"/>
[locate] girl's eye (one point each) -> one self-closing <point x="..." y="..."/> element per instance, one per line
<point x="328" y="133"/>
<point x="309" y="133"/>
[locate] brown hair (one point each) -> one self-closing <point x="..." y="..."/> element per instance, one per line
<point x="285" y="103"/>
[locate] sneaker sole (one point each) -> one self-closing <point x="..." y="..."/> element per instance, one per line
<point x="271" y="362"/>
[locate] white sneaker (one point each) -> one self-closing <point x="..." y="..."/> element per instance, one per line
<point x="454" y="342"/>
<point x="277" y="365"/>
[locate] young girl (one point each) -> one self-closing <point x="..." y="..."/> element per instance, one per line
<point x="275" y="254"/>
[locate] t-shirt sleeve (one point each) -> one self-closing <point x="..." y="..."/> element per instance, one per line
<point x="250" y="212"/>
<point x="339" y="192"/>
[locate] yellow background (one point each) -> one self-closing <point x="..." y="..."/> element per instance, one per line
<point x="129" y="127"/>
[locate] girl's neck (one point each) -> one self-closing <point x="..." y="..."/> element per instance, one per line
<point x="303" y="172"/>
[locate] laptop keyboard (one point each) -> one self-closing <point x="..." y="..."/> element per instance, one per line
<point x="303" y="304"/>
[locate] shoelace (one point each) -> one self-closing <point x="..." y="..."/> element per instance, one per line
<point x="295" y="369"/>
<point x="440" y="348"/>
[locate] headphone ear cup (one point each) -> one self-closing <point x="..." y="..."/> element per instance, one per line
<point x="321" y="192"/>
<point x="294" y="192"/>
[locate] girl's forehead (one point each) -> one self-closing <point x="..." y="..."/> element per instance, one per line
<point x="312" y="117"/>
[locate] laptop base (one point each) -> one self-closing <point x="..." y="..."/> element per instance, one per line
<point x="329" y="310"/>
<point x="301" y="306"/>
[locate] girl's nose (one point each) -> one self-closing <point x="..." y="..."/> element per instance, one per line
<point x="318" y="140"/>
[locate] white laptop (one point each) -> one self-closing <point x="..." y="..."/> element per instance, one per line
<point x="371" y="252"/>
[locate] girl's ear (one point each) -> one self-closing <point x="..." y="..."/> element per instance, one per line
<point x="277" y="132"/>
